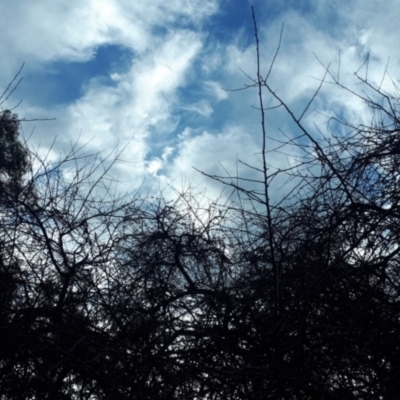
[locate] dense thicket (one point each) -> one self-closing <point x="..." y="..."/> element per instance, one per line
<point x="105" y="297"/>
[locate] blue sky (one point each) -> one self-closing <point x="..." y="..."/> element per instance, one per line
<point x="150" y="76"/>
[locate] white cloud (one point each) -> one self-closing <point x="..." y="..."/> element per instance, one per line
<point x="143" y="98"/>
<point x="46" y="30"/>
<point x="216" y="90"/>
<point x="201" y="107"/>
<point x="157" y="163"/>
<point x="212" y="153"/>
<point x="157" y="75"/>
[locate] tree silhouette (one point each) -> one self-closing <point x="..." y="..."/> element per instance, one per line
<point x="14" y="157"/>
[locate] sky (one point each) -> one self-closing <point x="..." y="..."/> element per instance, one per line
<point x="156" y="79"/>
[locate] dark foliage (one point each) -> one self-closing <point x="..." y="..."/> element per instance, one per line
<point x="14" y="157"/>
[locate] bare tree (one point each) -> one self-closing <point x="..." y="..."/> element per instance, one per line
<point x="319" y="278"/>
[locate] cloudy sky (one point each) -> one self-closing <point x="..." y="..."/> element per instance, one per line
<point x="153" y="77"/>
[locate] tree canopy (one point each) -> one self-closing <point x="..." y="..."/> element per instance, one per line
<point x="14" y="160"/>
